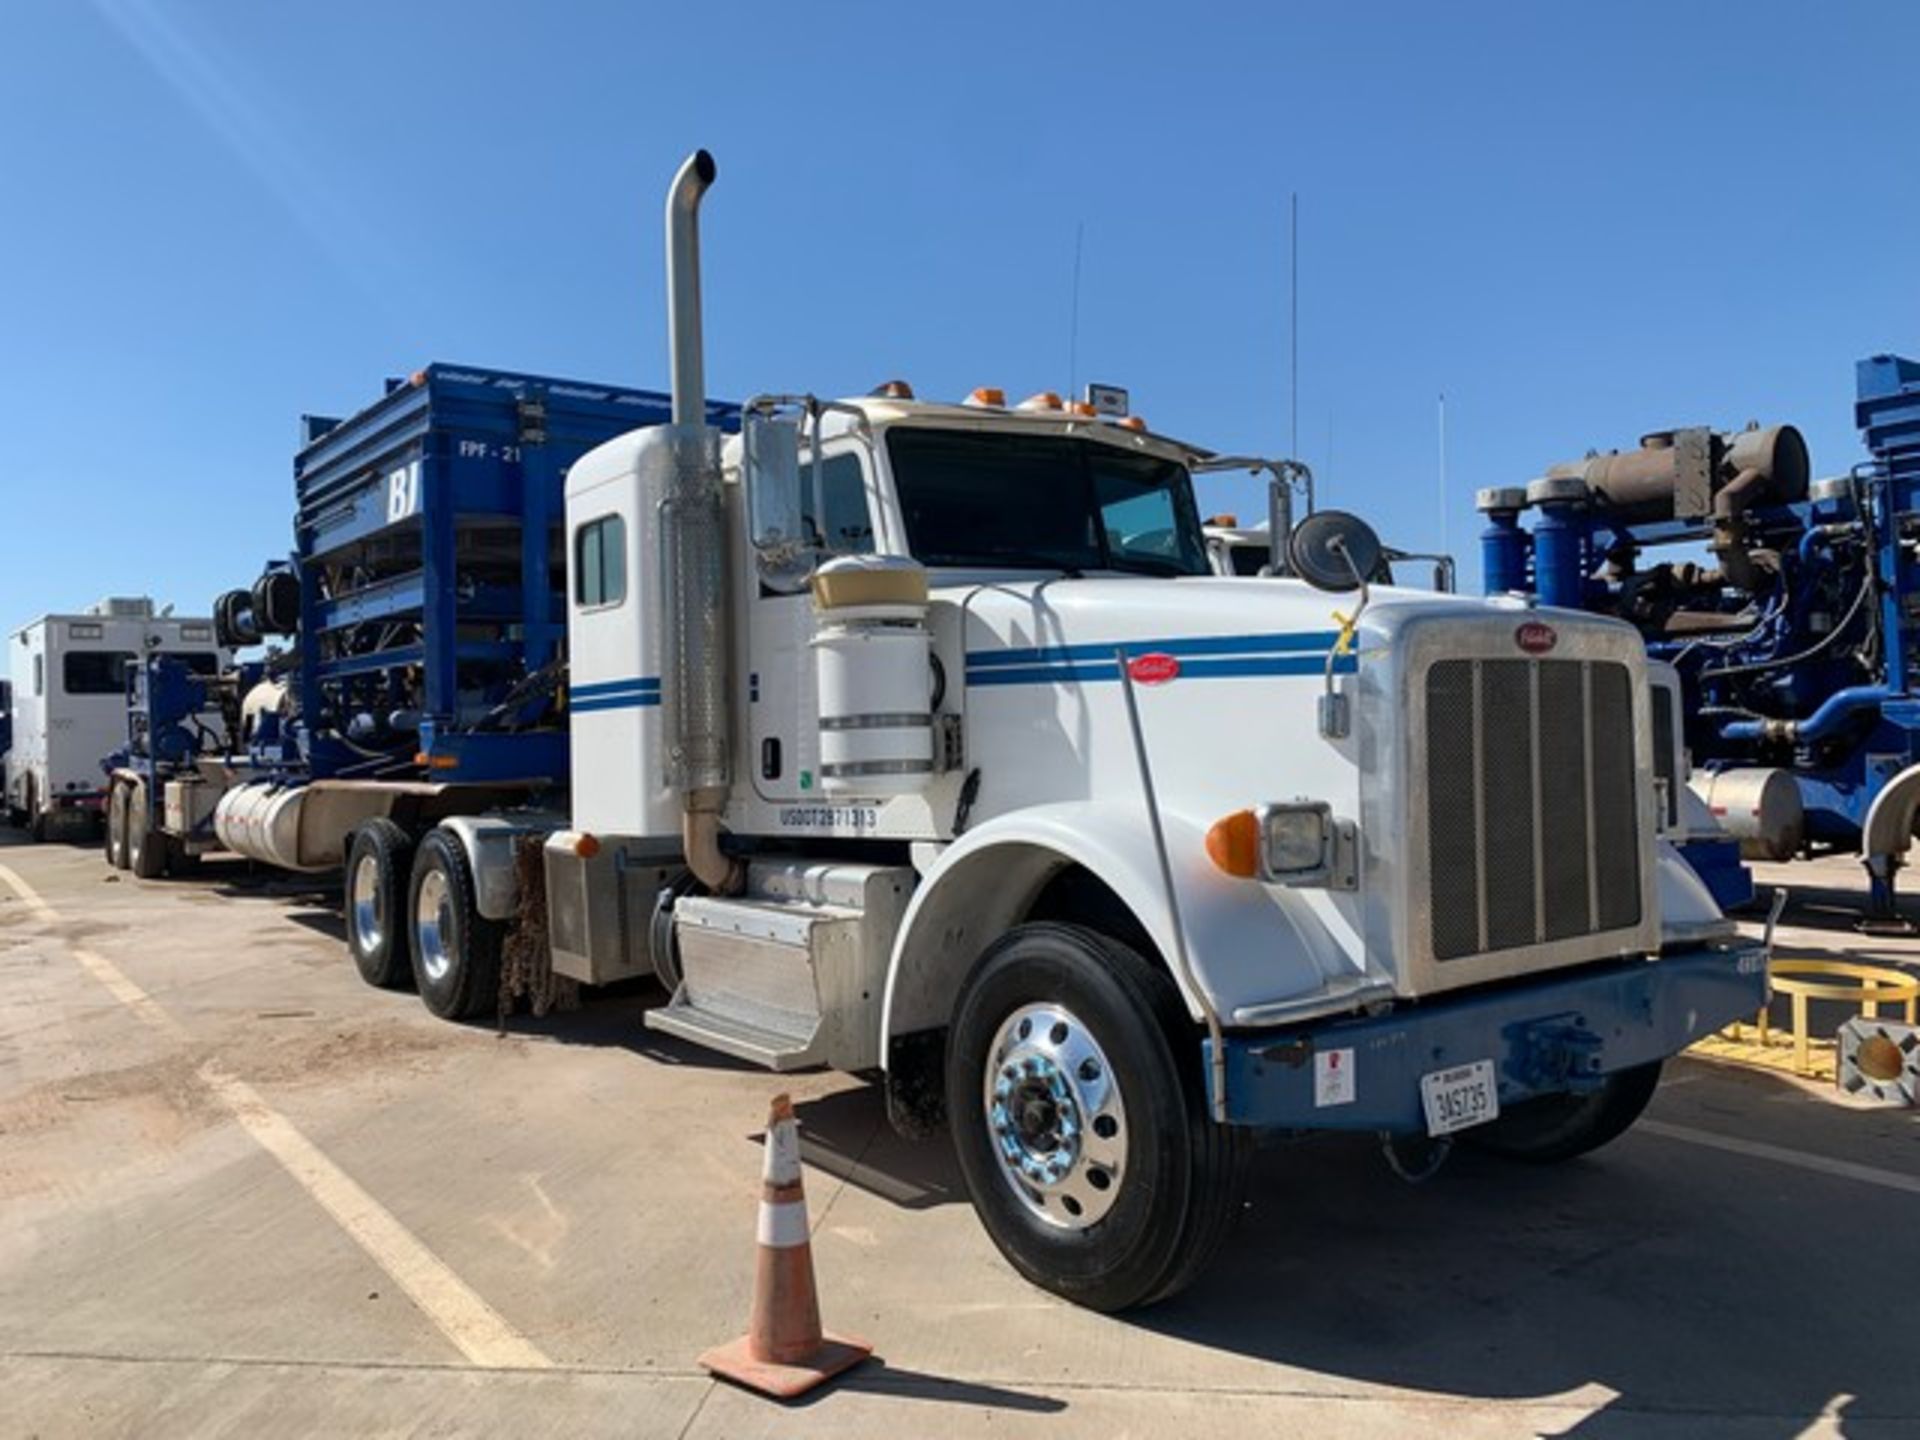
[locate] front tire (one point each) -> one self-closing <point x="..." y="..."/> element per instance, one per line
<point x="456" y="950"/>
<point x="1079" y="1118"/>
<point x="376" y="904"/>
<point x="1553" y="1128"/>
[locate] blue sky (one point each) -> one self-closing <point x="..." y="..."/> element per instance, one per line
<point x="1579" y="223"/>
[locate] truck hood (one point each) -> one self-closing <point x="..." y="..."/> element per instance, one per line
<point x="1099" y="613"/>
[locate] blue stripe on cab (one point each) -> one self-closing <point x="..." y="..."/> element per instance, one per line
<point x="1044" y="674"/>
<point x="632" y="701"/>
<point x="1292" y="641"/>
<point x="635" y="692"/>
<point x="1225" y="668"/>
<point x="610" y="687"/>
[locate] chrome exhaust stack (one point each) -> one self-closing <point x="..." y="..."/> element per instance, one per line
<point x="693" y="558"/>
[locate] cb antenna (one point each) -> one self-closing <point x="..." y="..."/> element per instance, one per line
<point x="1293" y="327"/>
<point x="1073" y="325"/>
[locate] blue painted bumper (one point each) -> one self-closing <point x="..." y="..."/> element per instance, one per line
<point x="1545" y="1035"/>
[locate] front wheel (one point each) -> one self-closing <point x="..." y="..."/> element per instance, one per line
<point x="456" y="949"/>
<point x="1559" y="1127"/>
<point x="1080" y="1121"/>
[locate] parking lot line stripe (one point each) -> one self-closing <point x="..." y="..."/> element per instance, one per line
<point x="474" y="1327"/>
<point x="479" y="1331"/>
<point x="41" y="910"/>
<point x="1780" y="1155"/>
<point x="114" y="980"/>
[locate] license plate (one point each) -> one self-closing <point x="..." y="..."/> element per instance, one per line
<point x="1459" y="1098"/>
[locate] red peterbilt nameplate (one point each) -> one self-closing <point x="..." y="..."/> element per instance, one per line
<point x="1536" y="637"/>
<point x="1154" y="669"/>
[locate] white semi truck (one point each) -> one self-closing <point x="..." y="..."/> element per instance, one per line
<point x="70" y="703"/>
<point x="918" y="740"/>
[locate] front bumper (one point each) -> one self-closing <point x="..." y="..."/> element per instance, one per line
<point x="1545" y="1035"/>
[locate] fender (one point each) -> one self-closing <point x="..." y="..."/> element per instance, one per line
<point x="1250" y="945"/>
<point x="1688" y="912"/>
<point x="488" y="841"/>
<point x="1888" y="830"/>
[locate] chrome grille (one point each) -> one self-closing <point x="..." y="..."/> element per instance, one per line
<point x="1532" y="816"/>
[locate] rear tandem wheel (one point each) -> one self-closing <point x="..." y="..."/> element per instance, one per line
<point x="378" y="932"/>
<point x="456" y="949"/>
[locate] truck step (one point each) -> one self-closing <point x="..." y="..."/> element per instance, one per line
<point x="790" y="974"/>
<point x="777" y="1049"/>
<point x="748" y="985"/>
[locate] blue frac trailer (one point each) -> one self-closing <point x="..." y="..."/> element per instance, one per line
<point x="419" y="623"/>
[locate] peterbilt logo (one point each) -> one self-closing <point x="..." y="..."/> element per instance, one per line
<point x="1536" y="637"/>
<point x="1154" y="669"/>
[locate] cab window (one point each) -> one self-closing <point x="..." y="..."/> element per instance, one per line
<point x="844" y="527"/>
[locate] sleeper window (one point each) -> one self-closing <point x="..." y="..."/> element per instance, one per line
<point x="600" y="563"/>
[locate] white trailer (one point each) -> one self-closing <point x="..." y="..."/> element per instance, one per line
<point x="918" y="740"/>
<point x="70" y="703"/>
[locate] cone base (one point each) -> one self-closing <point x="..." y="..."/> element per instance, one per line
<point x="735" y="1362"/>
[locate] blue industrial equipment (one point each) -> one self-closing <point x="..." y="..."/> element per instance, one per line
<point x="181" y="710"/>
<point x="426" y="590"/>
<point x="1795" y="634"/>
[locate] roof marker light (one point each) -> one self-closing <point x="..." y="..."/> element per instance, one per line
<point x="1040" y="400"/>
<point x="1134" y="423"/>
<point x="1224" y="522"/>
<point x="892" y="390"/>
<point x="987" y="397"/>
<point x="1080" y="407"/>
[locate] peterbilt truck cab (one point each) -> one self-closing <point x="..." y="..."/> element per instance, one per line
<point x="917" y="740"/>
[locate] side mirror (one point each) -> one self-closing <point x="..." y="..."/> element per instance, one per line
<point x="1332" y="550"/>
<point x="775" y="525"/>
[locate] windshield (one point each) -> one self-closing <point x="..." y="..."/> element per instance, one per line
<point x="991" y="500"/>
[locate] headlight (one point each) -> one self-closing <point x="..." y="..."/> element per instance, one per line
<point x="1293" y="842"/>
<point x="1293" y="838"/>
<point x="1302" y="844"/>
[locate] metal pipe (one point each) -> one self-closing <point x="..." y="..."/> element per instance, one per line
<point x="1729" y="543"/>
<point x="1838" y="707"/>
<point x="693" y="550"/>
<point x="688" y="358"/>
<point x="1279" y="523"/>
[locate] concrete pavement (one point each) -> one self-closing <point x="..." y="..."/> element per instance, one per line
<point x="171" y="1263"/>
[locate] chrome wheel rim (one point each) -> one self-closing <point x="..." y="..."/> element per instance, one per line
<point x="1055" y="1114"/>
<point x="432" y="925"/>
<point x="369" y="905"/>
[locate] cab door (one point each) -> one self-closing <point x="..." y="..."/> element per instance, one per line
<point x="779" y="679"/>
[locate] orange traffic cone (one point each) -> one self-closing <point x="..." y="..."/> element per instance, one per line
<point x="784" y="1352"/>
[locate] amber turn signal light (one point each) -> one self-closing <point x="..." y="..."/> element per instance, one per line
<point x="1233" y="844"/>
